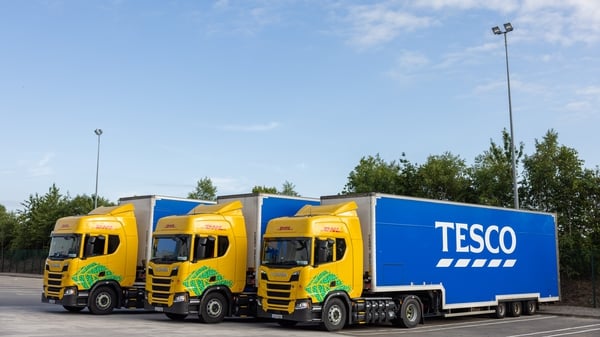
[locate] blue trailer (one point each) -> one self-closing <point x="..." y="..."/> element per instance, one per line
<point x="456" y="259"/>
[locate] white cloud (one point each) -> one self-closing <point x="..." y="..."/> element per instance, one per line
<point x="373" y="25"/>
<point x="42" y="167"/>
<point x="407" y="64"/>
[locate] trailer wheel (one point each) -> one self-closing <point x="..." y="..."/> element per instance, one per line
<point x="73" y="308"/>
<point x="516" y="308"/>
<point x="103" y="301"/>
<point x="213" y="308"/>
<point x="176" y="317"/>
<point x="529" y="307"/>
<point x="334" y="315"/>
<point x="500" y="310"/>
<point x="410" y="313"/>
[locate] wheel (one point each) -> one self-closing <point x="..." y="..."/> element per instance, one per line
<point x="176" y="317"/>
<point x="334" y="315"/>
<point x="213" y="308"/>
<point x="410" y="313"/>
<point x="500" y="310"/>
<point x="72" y="308"/>
<point x="103" y="301"/>
<point x="516" y="308"/>
<point x="529" y="307"/>
<point x="287" y="323"/>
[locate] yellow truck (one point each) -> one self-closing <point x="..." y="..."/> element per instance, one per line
<point x="204" y="263"/>
<point x="377" y="258"/>
<point x="98" y="260"/>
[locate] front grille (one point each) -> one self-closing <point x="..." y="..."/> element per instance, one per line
<point x="279" y="296"/>
<point x="161" y="291"/>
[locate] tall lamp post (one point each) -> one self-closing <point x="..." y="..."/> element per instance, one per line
<point x="98" y="132"/>
<point x="509" y="28"/>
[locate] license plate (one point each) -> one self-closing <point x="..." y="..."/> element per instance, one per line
<point x="52" y="301"/>
<point x="276" y="316"/>
<point x="159" y="309"/>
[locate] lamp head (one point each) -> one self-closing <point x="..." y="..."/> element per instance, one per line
<point x="508" y="27"/>
<point x="496" y="30"/>
<point x="98" y="132"/>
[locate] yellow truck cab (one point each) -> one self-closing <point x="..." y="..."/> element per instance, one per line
<point x="90" y="257"/>
<point x="307" y="257"/>
<point x="204" y="263"/>
<point x="197" y="246"/>
<point x="98" y="260"/>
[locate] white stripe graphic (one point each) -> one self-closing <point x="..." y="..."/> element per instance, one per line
<point x="494" y="263"/>
<point x="479" y="263"/>
<point x="444" y="263"/>
<point x="462" y="263"/>
<point x="509" y="263"/>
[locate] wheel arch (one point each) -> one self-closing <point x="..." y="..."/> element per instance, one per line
<point x="108" y="283"/>
<point x="345" y="300"/>
<point x="223" y="290"/>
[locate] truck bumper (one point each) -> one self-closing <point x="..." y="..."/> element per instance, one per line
<point x="71" y="300"/>
<point x="309" y="314"/>
<point x="181" y="308"/>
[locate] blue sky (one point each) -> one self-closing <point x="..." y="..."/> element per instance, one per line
<point x="261" y="92"/>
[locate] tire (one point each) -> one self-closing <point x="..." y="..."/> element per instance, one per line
<point x="103" y="301"/>
<point x="72" y="308"/>
<point x="176" y="317"/>
<point x="500" y="310"/>
<point x="334" y="315"/>
<point x="529" y="307"/>
<point x="516" y="309"/>
<point x="410" y="313"/>
<point x="212" y="308"/>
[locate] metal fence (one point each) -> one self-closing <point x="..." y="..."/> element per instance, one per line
<point x="27" y="261"/>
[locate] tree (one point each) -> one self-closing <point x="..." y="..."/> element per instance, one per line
<point x="491" y="174"/>
<point x="445" y="177"/>
<point x="289" y="189"/>
<point x="36" y="221"/>
<point x="8" y="221"/>
<point x="205" y="190"/>
<point x="555" y="181"/>
<point x="264" y="189"/>
<point x="373" y="174"/>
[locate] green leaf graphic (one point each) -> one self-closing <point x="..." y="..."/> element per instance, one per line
<point x="320" y="285"/>
<point x="90" y="274"/>
<point x="203" y="277"/>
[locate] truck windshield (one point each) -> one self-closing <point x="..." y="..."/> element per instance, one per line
<point x="286" y="251"/>
<point x="64" y="246"/>
<point x="171" y="248"/>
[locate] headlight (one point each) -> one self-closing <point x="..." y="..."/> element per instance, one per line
<point x="69" y="291"/>
<point x="301" y="305"/>
<point x="180" y="298"/>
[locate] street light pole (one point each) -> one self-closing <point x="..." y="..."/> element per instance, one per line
<point x="509" y="28"/>
<point x="98" y="132"/>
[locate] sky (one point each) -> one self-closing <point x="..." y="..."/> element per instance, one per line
<point x="260" y="92"/>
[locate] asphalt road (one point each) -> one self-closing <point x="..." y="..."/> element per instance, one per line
<point x="23" y="314"/>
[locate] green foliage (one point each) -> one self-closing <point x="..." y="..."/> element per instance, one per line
<point x="8" y="223"/>
<point x="492" y="174"/>
<point x="200" y="279"/>
<point x="320" y="285"/>
<point x="205" y="190"/>
<point x="264" y="189"/>
<point x="445" y="177"/>
<point x="88" y="275"/>
<point x="289" y="189"/>
<point x="31" y="227"/>
<point x="37" y="220"/>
